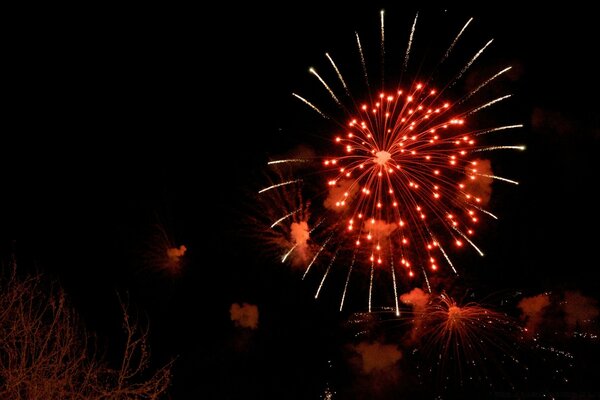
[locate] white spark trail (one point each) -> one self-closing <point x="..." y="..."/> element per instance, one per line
<point x="394" y="280"/>
<point x="382" y="48"/>
<point x="337" y="71"/>
<point x="315" y="257"/>
<point x="347" y="280"/>
<point x="362" y="59"/>
<point x="285" y="216"/>
<point x="486" y="105"/>
<point x="314" y="72"/>
<point x="500" y="128"/>
<point x="492" y="148"/>
<point x="311" y="105"/>
<point x="426" y="279"/>
<point x="446" y="257"/>
<point x="279" y="185"/>
<point x="288" y="253"/>
<point x="455" y="40"/>
<point x="466" y="67"/>
<point x="499" y="178"/>
<point x="410" y="40"/>
<point x="325" y="274"/>
<point x="371" y="286"/>
<point x="484" y="84"/>
<point x="289" y="160"/>
<point x="484" y="211"/>
<point x="468" y="240"/>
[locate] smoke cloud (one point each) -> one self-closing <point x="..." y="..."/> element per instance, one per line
<point x="481" y="187"/>
<point x="244" y="315"/>
<point x="377" y="357"/>
<point x="533" y="309"/>
<point x="579" y="309"/>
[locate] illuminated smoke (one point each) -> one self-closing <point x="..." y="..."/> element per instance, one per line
<point x="482" y="186"/>
<point x="377" y="357"/>
<point x="533" y="310"/>
<point x="419" y="300"/>
<point x="338" y="192"/>
<point x="579" y="309"/>
<point x="244" y="315"/>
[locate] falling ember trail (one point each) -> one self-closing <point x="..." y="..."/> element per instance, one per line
<point x="311" y="105"/>
<point x="484" y="84"/>
<point x="325" y="274"/>
<point x="347" y="280"/>
<point x="499" y="178"/>
<point x="410" y="41"/>
<point x="291" y="160"/>
<point x="500" y="128"/>
<point x="469" y="240"/>
<point x="285" y="216"/>
<point x="316" y="256"/>
<point x="492" y="148"/>
<point x="371" y="286"/>
<point x="455" y="40"/>
<point x="466" y="67"/>
<point x="486" y="105"/>
<point x="314" y="72"/>
<point x="337" y="71"/>
<point x="362" y="59"/>
<point x="279" y="185"/>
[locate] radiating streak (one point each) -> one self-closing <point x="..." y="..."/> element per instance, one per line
<point x="371" y="286"/>
<point x="410" y="40"/>
<point x="485" y="211"/>
<point x="446" y="257"/>
<point x="316" y="255"/>
<point x="468" y="240"/>
<point x="499" y="178"/>
<point x="311" y="105"/>
<point x="486" y="105"/>
<point x="455" y="41"/>
<point x="325" y="274"/>
<point x="337" y="71"/>
<point x="314" y="72"/>
<point x="362" y="59"/>
<point x="466" y="67"/>
<point x="484" y="84"/>
<point x="500" y="128"/>
<point x="284" y="217"/>
<point x="289" y="160"/>
<point x="426" y="279"/>
<point x="347" y="280"/>
<point x="279" y="185"/>
<point x="288" y="253"/>
<point x="492" y="148"/>
<point x="394" y="280"/>
<point x="382" y="49"/>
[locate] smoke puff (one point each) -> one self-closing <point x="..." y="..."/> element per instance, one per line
<point x="482" y="186"/>
<point x="336" y="194"/>
<point x="175" y="253"/>
<point x="300" y="233"/>
<point x="579" y="308"/>
<point x="416" y="298"/>
<point x="244" y="315"/>
<point x="377" y="357"/>
<point x="380" y="229"/>
<point x="532" y="309"/>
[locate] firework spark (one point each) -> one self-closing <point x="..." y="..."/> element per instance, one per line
<point x="395" y="196"/>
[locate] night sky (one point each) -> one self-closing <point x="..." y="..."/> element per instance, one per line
<point x="122" y="120"/>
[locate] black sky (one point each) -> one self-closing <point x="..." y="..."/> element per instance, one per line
<point x="118" y="119"/>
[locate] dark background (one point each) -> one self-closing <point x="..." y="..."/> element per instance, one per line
<point x="118" y="119"/>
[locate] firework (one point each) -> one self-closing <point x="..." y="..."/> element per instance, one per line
<point x="401" y="184"/>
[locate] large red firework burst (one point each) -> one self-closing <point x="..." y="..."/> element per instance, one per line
<point x="402" y="184"/>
